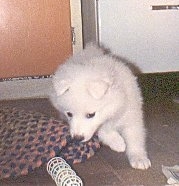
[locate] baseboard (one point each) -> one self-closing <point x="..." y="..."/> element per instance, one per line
<point x="21" y="88"/>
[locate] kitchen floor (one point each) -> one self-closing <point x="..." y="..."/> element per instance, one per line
<point x="108" y="168"/>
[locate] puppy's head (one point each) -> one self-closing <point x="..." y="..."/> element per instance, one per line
<point x="85" y="103"/>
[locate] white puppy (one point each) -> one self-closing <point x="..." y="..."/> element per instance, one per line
<point x="98" y="93"/>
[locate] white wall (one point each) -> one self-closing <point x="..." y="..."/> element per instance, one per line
<point x="148" y="38"/>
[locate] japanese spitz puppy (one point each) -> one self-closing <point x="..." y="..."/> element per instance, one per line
<point x="97" y="93"/>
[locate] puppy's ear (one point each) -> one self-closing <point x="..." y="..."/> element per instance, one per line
<point x="61" y="86"/>
<point x="98" y="89"/>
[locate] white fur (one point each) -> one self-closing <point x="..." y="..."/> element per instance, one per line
<point x="93" y="82"/>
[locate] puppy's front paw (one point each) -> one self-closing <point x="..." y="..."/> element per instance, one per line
<point x="138" y="162"/>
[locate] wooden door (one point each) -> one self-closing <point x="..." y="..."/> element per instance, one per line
<point x="35" y="36"/>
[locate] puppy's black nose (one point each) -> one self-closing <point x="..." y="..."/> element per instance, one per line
<point x="78" y="138"/>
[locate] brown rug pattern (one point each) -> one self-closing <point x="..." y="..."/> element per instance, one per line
<point x="30" y="139"/>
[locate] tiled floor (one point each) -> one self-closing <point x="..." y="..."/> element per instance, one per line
<point x="108" y="168"/>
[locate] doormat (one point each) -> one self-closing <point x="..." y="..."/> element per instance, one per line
<point x="30" y="139"/>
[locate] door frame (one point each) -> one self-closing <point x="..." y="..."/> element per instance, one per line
<point x="76" y="25"/>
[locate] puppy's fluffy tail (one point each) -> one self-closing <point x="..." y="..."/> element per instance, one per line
<point x="84" y="56"/>
<point x="92" y="50"/>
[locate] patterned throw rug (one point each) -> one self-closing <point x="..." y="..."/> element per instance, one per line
<point x="30" y="139"/>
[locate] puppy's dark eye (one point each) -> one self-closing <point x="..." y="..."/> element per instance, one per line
<point x="90" y="115"/>
<point x="69" y="114"/>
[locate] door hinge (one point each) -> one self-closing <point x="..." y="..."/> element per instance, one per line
<point x="73" y="35"/>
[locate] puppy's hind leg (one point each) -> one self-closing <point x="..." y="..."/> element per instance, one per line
<point x="113" y="139"/>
